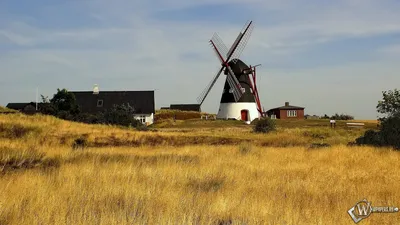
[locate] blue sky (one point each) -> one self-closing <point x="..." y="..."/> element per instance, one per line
<point x="328" y="56"/>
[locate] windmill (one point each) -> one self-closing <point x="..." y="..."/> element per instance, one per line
<point x="240" y="98"/>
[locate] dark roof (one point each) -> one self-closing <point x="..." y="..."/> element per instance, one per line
<point x="186" y="107"/>
<point x="21" y="106"/>
<point x="287" y="107"/>
<point x="141" y="101"/>
<point x="18" y="106"/>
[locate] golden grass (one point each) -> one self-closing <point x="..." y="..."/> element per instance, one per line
<point x="7" y="110"/>
<point x="203" y="185"/>
<point x="168" y="114"/>
<point x="49" y="131"/>
<point x="245" y="182"/>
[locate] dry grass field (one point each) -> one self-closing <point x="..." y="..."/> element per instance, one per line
<point x="189" y="172"/>
<point x="6" y="110"/>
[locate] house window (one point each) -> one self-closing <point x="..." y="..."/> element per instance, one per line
<point x="291" y="113"/>
<point x="99" y="103"/>
<point x="243" y="90"/>
<point x="142" y="119"/>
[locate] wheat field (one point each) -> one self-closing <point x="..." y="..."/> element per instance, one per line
<point x="188" y="176"/>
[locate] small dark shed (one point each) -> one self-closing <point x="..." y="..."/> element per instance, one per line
<point x="186" y="107"/>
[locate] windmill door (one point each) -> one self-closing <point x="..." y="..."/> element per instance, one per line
<point x="244" y="115"/>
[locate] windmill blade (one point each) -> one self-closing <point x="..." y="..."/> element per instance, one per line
<point x="230" y="72"/>
<point x="235" y="90"/>
<point x="205" y="92"/>
<point x="217" y="52"/>
<point x="234" y="45"/>
<point x="234" y="84"/>
<point x="219" y="44"/>
<point x="243" y="43"/>
<point x="238" y="40"/>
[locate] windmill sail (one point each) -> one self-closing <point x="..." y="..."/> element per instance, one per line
<point x="235" y="44"/>
<point x="235" y="90"/>
<point x="234" y="84"/>
<point x="240" y="42"/>
<point x="219" y="44"/>
<point x="243" y="42"/>
<point x="207" y="90"/>
<point x="233" y="53"/>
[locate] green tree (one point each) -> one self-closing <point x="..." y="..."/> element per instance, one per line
<point x="390" y="104"/>
<point x="45" y="107"/>
<point x="389" y="132"/>
<point x="64" y="103"/>
<point x="325" y="117"/>
<point x="341" y="117"/>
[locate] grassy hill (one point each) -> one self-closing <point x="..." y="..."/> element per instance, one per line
<point x="53" y="131"/>
<point x="202" y="123"/>
<point x="178" y="114"/>
<point x="203" y="172"/>
<point x="190" y="119"/>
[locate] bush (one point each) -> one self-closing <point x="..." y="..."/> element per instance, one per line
<point x="341" y="117"/>
<point x="65" y="115"/>
<point x="325" y="117"/>
<point x="264" y="125"/>
<point x="89" y="118"/>
<point x="370" y="137"/>
<point x="47" y="108"/>
<point x="388" y="135"/>
<point x="121" y="115"/>
<point x="390" y="131"/>
<point x="64" y="101"/>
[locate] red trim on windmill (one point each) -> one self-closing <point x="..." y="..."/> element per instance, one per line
<point x="221" y="58"/>
<point x="253" y="86"/>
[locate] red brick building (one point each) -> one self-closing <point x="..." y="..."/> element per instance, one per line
<point x="286" y="112"/>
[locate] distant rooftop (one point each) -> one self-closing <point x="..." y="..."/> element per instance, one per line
<point x="186" y="107"/>
<point x="287" y="106"/>
<point x="92" y="102"/>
